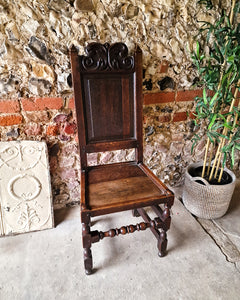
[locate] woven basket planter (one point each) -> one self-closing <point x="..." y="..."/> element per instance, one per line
<point x="205" y="200"/>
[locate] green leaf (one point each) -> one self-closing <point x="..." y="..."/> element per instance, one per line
<point x="197" y="49"/>
<point x="212" y="121"/>
<point x="228" y="22"/>
<point x="231" y="58"/>
<point x="223" y="136"/>
<point x="195" y="139"/>
<point x="211" y="137"/>
<point x="225" y="124"/>
<point x="213" y="99"/>
<point x="204" y="96"/>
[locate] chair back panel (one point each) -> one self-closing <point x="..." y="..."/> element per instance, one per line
<point x="109" y="107"/>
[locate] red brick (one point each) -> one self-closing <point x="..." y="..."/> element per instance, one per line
<point x="52" y="130"/>
<point x="163" y="97"/>
<point x="71" y="103"/>
<point x="9" y="106"/>
<point x="188" y="95"/>
<point x="9" y="120"/>
<point x="164" y="66"/>
<point x="42" y="103"/>
<point x="180" y="116"/>
<point x="164" y="119"/>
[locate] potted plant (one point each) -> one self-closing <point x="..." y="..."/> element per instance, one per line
<point x="209" y="185"/>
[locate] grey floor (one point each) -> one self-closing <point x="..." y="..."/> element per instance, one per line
<point x="203" y="260"/>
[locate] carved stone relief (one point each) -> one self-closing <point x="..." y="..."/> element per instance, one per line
<point x="25" y="191"/>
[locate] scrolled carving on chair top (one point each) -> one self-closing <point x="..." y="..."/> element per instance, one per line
<point x="105" y="57"/>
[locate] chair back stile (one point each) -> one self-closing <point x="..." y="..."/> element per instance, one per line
<point x="139" y="104"/>
<point x="79" y="107"/>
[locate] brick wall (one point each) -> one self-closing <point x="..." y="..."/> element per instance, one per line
<point x="18" y="111"/>
<point x="173" y="97"/>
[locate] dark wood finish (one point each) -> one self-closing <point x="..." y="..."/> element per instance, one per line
<point x="102" y="173"/>
<point x="110" y="146"/>
<point x="107" y="86"/>
<point x="87" y="242"/>
<point x="152" y="224"/>
<point x="160" y="235"/>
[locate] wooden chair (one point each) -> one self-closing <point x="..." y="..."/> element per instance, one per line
<point x="108" y="99"/>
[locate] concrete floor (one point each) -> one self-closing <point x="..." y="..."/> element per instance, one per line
<point x="201" y="263"/>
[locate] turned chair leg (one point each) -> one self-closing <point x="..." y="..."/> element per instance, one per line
<point x="86" y="239"/>
<point x="162" y="244"/>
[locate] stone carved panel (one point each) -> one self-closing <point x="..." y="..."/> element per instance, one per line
<point x="25" y="191"/>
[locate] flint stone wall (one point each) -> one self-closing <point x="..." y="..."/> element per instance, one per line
<point x="35" y="37"/>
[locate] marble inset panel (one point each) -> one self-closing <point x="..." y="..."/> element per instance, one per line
<point x="25" y="190"/>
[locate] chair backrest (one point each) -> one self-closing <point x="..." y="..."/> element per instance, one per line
<point x="108" y="99"/>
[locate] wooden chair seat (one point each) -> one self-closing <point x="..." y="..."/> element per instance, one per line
<point x="124" y="190"/>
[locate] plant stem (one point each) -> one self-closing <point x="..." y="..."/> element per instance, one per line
<point x="205" y="158"/>
<point x="215" y="160"/>
<point x="220" y="175"/>
<point x="232" y="12"/>
<point x="219" y="159"/>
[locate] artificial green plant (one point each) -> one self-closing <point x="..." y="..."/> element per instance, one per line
<point x="217" y="58"/>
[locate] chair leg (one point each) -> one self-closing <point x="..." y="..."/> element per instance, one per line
<point x="162" y="243"/>
<point x="87" y="255"/>
<point x="86" y="238"/>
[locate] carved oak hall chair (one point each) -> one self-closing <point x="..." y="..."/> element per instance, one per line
<point x="108" y="99"/>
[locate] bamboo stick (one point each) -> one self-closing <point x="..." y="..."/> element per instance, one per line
<point x="232" y="11"/>
<point x="220" y="175"/>
<point x="219" y="159"/>
<point x="215" y="161"/>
